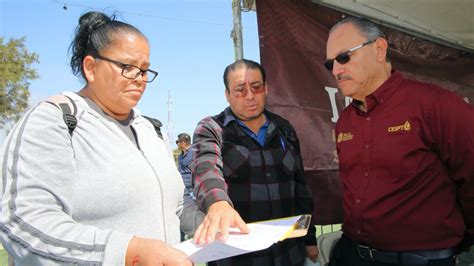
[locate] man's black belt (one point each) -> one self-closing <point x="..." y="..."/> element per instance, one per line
<point x="421" y="257"/>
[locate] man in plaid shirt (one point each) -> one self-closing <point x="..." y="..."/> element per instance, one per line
<point x="247" y="167"/>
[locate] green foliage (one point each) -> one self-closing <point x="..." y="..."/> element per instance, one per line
<point x="3" y="257"/>
<point x="15" y="74"/>
<point x="176" y="153"/>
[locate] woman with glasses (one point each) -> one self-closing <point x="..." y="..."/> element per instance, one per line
<point x="106" y="192"/>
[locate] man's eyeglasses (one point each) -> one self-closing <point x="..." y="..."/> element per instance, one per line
<point x="344" y="57"/>
<point x="241" y="90"/>
<point x="131" y="71"/>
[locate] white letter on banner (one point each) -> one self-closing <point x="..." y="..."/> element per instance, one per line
<point x="332" y="98"/>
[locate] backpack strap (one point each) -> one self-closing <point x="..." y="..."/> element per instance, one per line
<point x="69" y="109"/>
<point x="156" y="124"/>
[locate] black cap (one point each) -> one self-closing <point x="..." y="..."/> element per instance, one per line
<point x="184" y="137"/>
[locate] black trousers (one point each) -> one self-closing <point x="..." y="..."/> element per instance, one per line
<point x="345" y="253"/>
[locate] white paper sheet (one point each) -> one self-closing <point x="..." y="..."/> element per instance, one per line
<point x="262" y="235"/>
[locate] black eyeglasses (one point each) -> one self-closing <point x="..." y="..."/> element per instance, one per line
<point x="131" y="71"/>
<point x="344" y="57"/>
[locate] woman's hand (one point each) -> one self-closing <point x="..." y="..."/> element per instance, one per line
<point x="144" y="252"/>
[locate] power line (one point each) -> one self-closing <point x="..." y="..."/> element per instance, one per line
<point x="66" y="5"/>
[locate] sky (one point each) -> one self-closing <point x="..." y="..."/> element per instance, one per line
<point x="190" y="46"/>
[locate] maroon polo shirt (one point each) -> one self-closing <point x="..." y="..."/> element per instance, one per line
<point x="407" y="167"/>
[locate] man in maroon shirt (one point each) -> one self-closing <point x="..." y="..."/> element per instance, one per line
<point x="406" y="153"/>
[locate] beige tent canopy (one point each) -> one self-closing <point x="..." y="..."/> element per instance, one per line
<point x="448" y="22"/>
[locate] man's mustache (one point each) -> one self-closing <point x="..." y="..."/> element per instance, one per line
<point x="342" y="77"/>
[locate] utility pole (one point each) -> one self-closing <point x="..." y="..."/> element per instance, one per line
<point x="236" y="33"/>
<point x="169" y="127"/>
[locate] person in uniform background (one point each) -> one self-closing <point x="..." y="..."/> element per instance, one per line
<point x="184" y="160"/>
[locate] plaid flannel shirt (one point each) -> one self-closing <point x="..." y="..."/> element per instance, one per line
<point x="261" y="182"/>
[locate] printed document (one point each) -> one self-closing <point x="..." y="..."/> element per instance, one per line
<point x="262" y="235"/>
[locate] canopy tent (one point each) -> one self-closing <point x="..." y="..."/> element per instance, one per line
<point x="448" y="22"/>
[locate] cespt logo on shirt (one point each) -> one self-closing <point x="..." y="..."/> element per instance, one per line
<point x="405" y="127"/>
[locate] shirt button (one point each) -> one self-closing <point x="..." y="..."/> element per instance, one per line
<point x="368" y="118"/>
<point x="358" y="232"/>
<point x="357" y="200"/>
<point x="367" y="146"/>
<point x="366" y="174"/>
<point x="268" y="174"/>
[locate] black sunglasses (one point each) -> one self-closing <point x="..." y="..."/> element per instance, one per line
<point x="344" y="57"/>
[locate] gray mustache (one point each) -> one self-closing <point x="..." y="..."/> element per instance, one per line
<point x="342" y="77"/>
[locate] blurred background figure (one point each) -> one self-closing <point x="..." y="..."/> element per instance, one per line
<point x="184" y="159"/>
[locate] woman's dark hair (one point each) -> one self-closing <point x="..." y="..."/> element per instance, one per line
<point x="249" y="64"/>
<point x="95" y="32"/>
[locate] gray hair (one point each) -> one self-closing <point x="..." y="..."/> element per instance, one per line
<point x="365" y="27"/>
